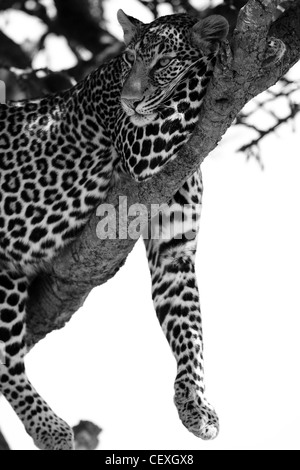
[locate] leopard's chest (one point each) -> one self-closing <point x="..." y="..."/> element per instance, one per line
<point x="146" y="147"/>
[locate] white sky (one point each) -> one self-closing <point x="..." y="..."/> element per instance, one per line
<point x="111" y="364"/>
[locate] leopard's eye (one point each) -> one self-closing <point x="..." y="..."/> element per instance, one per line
<point x="129" y="57"/>
<point x="164" y="62"/>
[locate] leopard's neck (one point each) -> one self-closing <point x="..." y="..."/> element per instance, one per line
<point x="95" y="100"/>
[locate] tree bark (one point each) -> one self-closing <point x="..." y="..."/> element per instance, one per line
<point x="240" y="75"/>
<point x="3" y="443"/>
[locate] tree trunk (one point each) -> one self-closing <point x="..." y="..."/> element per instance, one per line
<point x="241" y="74"/>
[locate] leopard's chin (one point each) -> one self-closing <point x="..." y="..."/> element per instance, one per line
<point x="142" y="119"/>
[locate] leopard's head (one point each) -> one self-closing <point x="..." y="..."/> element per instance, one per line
<point x="159" y="55"/>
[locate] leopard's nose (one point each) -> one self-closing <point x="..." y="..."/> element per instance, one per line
<point x="132" y="91"/>
<point x="132" y="103"/>
<point x="132" y="96"/>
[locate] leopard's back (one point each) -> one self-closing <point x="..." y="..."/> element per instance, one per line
<point x="55" y="166"/>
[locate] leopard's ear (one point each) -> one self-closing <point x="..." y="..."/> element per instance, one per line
<point x="207" y="33"/>
<point x="130" y="26"/>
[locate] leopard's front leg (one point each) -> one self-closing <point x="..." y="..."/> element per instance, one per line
<point x="171" y="252"/>
<point x="48" y="431"/>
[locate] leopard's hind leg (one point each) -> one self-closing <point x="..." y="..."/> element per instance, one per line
<point x="171" y="252"/>
<point x="47" y="430"/>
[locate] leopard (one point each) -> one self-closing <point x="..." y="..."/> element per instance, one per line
<point x="59" y="157"/>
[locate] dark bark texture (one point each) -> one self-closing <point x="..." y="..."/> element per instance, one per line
<point x="241" y="74"/>
<point x="3" y="443"/>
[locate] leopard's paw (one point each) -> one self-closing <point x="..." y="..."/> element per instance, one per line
<point x="197" y="415"/>
<point x="55" y="435"/>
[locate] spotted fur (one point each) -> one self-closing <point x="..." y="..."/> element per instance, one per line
<point x="171" y="252"/>
<point x="59" y="157"/>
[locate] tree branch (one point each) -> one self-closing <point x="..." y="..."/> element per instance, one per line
<point x="12" y="54"/>
<point x="3" y="443"/>
<point x="82" y="23"/>
<point x="238" y="77"/>
<point x="286" y="90"/>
